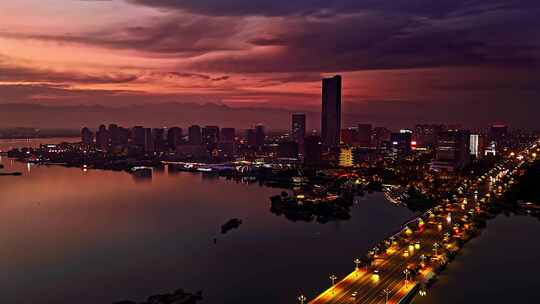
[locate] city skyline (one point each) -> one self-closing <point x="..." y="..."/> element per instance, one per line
<point x="466" y="59"/>
<point x="269" y="151"/>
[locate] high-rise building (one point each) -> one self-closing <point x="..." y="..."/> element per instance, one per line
<point x="158" y="137"/>
<point x="251" y="138"/>
<point x="498" y="134"/>
<point x="313" y="151"/>
<point x="260" y="135"/>
<point x="194" y="135"/>
<point x="381" y="136"/>
<point x="401" y="142"/>
<point x="331" y="111"/>
<point x="114" y="132"/>
<point x="174" y="137"/>
<point x="227" y="142"/>
<point x="365" y="132"/>
<point x="227" y="135"/>
<point x="138" y="135"/>
<point x="477" y="145"/>
<point x="87" y="137"/>
<point x="102" y="138"/>
<point x="453" y="150"/>
<point x="298" y="128"/>
<point x="210" y="135"/>
<point x="349" y="136"/>
<point x="426" y="135"/>
<point x="288" y="149"/>
<point x="148" y="140"/>
<point x="123" y="136"/>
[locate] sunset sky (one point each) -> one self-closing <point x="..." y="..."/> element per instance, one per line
<point x="272" y="53"/>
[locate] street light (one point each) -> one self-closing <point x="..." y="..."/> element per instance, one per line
<point x="423" y="259"/>
<point x="406" y="272"/>
<point x="302" y="299"/>
<point x="357" y="263"/>
<point x="386" y="294"/>
<point x="435" y="247"/>
<point x="333" y="278"/>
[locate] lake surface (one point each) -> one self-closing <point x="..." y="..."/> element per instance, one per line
<point x="69" y="236"/>
<point x="500" y="266"/>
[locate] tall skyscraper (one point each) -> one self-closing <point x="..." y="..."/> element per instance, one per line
<point x="194" y="134"/>
<point x="381" y="136"/>
<point x="251" y="138"/>
<point x="138" y="136"/>
<point x="148" y="140"/>
<point x="475" y="145"/>
<point x="453" y="150"/>
<point x="498" y="133"/>
<point x="401" y="142"/>
<point x="174" y="137"/>
<point x="227" y="145"/>
<point x="313" y="151"/>
<point x="365" y="132"/>
<point x="103" y="138"/>
<point x="210" y="135"/>
<point x="114" y="132"/>
<point x="87" y="137"/>
<point x="260" y="135"/>
<point x="349" y="136"/>
<point x="227" y="135"/>
<point x="426" y="135"/>
<point x="298" y="128"/>
<point x="331" y="111"/>
<point x="158" y="137"/>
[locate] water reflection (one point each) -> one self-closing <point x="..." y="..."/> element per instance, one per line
<point x="500" y="266"/>
<point x="70" y="236"/>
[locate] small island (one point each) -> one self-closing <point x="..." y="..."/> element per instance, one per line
<point x="300" y="208"/>
<point x="230" y="225"/>
<point x="178" y="297"/>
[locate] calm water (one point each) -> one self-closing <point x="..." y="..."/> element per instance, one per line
<point x="501" y="266"/>
<point x="68" y="236"/>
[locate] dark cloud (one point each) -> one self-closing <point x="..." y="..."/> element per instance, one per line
<point x="14" y="73"/>
<point x="173" y="35"/>
<point x="345" y="35"/>
<point x="383" y="41"/>
<point x="192" y="76"/>
<point x="328" y="8"/>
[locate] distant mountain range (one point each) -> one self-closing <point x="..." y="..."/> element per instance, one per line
<point x="395" y="115"/>
<point x="152" y="115"/>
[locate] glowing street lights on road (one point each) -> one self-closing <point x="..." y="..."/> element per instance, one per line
<point x="302" y="299"/>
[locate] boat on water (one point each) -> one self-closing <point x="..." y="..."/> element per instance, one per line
<point x="11" y="174"/>
<point x="142" y="171"/>
<point x="231" y="224"/>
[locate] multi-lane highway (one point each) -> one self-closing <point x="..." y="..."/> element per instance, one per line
<point x="402" y="263"/>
